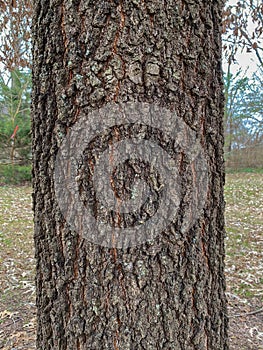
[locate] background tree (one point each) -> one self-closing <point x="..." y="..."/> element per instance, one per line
<point x="15" y="112"/>
<point x="243" y="28"/>
<point x="15" y="40"/>
<point x="167" y="293"/>
<point x="15" y="80"/>
<point x="243" y="111"/>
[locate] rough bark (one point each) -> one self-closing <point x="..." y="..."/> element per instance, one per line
<point x="167" y="293"/>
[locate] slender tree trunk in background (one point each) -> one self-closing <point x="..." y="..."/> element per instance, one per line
<point x="228" y="113"/>
<point x="230" y="135"/>
<point x="167" y="293"/>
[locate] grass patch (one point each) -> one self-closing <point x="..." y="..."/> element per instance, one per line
<point x="244" y="241"/>
<point x="244" y="249"/>
<point x="15" y="174"/>
<point x="244" y="170"/>
<point x="16" y="247"/>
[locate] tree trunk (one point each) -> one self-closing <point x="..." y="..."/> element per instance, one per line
<point x="163" y="289"/>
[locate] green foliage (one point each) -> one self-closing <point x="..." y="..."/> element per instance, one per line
<point x="243" y="111"/>
<point x="14" y="174"/>
<point x="15" y="111"/>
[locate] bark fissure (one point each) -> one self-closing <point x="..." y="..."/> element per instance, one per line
<point x="167" y="293"/>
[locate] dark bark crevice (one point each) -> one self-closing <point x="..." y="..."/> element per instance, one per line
<point x="167" y="293"/>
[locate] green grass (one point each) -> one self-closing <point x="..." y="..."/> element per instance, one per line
<point x="244" y="170"/>
<point x="14" y="174"/>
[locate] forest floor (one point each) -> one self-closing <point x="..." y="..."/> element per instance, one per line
<point x="244" y="264"/>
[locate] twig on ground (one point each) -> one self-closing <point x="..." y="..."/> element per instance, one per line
<point x="247" y="313"/>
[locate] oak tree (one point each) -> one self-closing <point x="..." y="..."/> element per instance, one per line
<point x="128" y="76"/>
